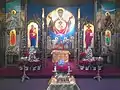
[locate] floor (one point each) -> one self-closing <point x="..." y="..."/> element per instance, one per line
<point x="42" y="84"/>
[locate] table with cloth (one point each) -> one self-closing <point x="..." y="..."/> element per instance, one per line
<point x="62" y="83"/>
<point x="91" y="64"/>
<point x="60" y="54"/>
<point x="30" y="66"/>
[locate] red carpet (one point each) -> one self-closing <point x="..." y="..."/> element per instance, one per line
<point x="47" y="72"/>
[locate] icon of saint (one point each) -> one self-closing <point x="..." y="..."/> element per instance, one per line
<point x="12" y="38"/>
<point x="33" y="36"/>
<point x="107" y="19"/>
<point x="88" y="36"/>
<point x="107" y="38"/>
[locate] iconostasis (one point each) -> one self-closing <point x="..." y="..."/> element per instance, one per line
<point x="14" y="25"/>
<point x="49" y="27"/>
<point x="45" y="28"/>
<point x="59" y="26"/>
<point x="108" y="26"/>
<point x="67" y="27"/>
<point x="105" y="21"/>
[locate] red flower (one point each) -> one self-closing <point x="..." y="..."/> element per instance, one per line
<point x="83" y="54"/>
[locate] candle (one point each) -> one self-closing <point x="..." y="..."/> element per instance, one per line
<point x="55" y="69"/>
<point x="42" y="12"/>
<point x="68" y="68"/>
<point x="79" y="13"/>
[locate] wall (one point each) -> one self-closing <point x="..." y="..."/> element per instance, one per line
<point x="87" y="10"/>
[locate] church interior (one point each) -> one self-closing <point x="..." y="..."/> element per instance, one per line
<point x="60" y="40"/>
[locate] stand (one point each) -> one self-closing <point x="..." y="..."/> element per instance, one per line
<point x="98" y="77"/>
<point x="24" y="74"/>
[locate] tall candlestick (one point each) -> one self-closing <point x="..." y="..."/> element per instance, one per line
<point x="42" y="12"/>
<point x="55" y="68"/>
<point x="68" y="68"/>
<point x="79" y="13"/>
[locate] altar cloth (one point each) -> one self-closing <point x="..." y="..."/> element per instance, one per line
<point x="60" y="54"/>
<point x="63" y="86"/>
<point x="63" y="83"/>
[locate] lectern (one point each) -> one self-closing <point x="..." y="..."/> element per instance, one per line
<point x="60" y="54"/>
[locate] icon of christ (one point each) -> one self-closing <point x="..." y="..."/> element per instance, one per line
<point x="88" y="35"/>
<point x="59" y="23"/>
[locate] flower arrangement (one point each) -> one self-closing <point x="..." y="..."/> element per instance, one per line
<point x="82" y="55"/>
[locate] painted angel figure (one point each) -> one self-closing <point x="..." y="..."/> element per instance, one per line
<point x="54" y="42"/>
<point x="65" y="42"/>
<point x="72" y="42"/>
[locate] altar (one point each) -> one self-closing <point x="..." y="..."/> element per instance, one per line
<point x="63" y="82"/>
<point x="63" y="87"/>
<point x="60" y="54"/>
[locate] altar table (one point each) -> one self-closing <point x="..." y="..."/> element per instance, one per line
<point x="63" y="87"/>
<point x="60" y="54"/>
<point x="54" y="85"/>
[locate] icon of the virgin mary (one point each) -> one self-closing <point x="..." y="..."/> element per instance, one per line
<point x="58" y="23"/>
